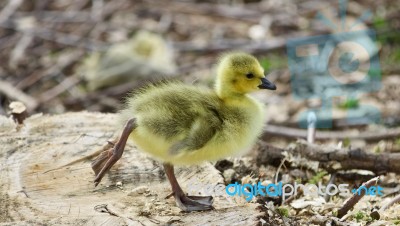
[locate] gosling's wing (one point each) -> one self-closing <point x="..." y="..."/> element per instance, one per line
<point x="201" y="131"/>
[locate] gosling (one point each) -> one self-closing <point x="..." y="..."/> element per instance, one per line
<point x="181" y="124"/>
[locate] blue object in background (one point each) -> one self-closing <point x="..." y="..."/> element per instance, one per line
<point x="323" y="67"/>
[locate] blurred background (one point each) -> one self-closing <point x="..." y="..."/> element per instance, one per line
<point x="59" y="56"/>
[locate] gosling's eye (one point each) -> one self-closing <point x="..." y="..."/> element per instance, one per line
<point x="249" y="75"/>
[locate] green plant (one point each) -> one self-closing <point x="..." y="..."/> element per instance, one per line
<point x="346" y="142"/>
<point x="273" y="61"/>
<point x="349" y="103"/>
<point x="317" y="177"/>
<point x="359" y="216"/>
<point x="283" y="211"/>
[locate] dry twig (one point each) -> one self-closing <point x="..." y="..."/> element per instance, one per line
<point x="226" y="45"/>
<point x="59" y="89"/>
<point x="324" y="135"/>
<point x="376" y="214"/>
<point x="9" y="9"/>
<point x="333" y="158"/>
<point x="16" y="94"/>
<point x="356" y="197"/>
<point x="391" y="203"/>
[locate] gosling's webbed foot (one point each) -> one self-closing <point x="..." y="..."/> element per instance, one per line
<point x="101" y="160"/>
<point x="103" y="163"/>
<point x="194" y="203"/>
<point x="206" y="200"/>
<point x="186" y="203"/>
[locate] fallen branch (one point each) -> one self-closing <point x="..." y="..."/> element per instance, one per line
<point x="225" y="45"/>
<point x="63" y="62"/>
<point x="220" y="11"/>
<point x="62" y="38"/>
<point x="19" y="51"/>
<point x="324" y="135"/>
<point x="352" y="201"/>
<point x="9" y="9"/>
<point x="391" y="203"/>
<point x="16" y="94"/>
<point x="376" y="214"/>
<point x="332" y="158"/>
<point x="59" y="89"/>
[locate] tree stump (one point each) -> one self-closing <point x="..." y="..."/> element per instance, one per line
<point x="46" y="178"/>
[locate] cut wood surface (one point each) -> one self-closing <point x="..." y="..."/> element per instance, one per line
<point x="46" y="179"/>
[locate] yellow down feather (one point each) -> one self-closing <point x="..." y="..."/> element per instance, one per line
<point x="185" y="124"/>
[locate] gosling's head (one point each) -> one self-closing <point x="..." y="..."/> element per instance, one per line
<point x="240" y="73"/>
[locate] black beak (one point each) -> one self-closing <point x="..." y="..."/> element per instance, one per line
<point x="267" y="84"/>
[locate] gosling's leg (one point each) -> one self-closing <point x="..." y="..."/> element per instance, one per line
<point x="108" y="158"/>
<point x="186" y="203"/>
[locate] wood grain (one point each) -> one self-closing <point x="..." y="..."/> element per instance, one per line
<point x="46" y="179"/>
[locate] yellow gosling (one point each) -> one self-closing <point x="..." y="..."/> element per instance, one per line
<point x="181" y="124"/>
